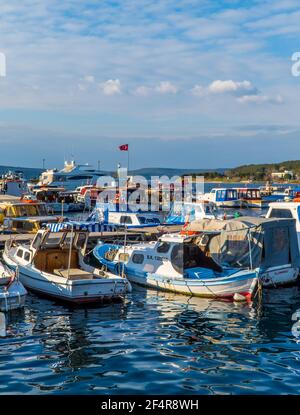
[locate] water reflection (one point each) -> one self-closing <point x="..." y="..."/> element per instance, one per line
<point x="154" y="342"/>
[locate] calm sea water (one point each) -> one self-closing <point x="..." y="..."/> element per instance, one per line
<point x="154" y="343"/>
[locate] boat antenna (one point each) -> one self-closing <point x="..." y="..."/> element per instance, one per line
<point x="250" y="250"/>
<point x="125" y="241"/>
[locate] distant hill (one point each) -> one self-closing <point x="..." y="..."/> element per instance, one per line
<point x="260" y="171"/>
<point x="165" y="171"/>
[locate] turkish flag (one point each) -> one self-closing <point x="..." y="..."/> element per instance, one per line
<point x="123" y="147"/>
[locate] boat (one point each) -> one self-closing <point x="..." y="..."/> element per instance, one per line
<point x="274" y="250"/>
<point x="110" y="214"/>
<point x="13" y="183"/>
<point x="288" y="210"/>
<point x="184" y="212"/>
<point x="251" y="197"/>
<point x="70" y="177"/>
<point x="180" y="263"/>
<point x="222" y="197"/>
<point x="53" y="265"/>
<point x="24" y="217"/>
<point x="12" y="292"/>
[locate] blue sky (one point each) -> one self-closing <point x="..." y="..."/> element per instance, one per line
<point x="190" y="83"/>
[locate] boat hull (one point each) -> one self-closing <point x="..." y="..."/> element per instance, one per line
<point x="225" y="288"/>
<point x="279" y="276"/>
<point x="77" y="292"/>
<point x="229" y="204"/>
<point x="13" y="298"/>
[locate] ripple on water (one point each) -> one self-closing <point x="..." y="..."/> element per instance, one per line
<point x="153" y="343"/>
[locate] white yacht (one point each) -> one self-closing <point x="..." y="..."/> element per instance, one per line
<point x="70" y="177"/>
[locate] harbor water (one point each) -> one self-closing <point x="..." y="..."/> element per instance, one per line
<point x="154" y="343"/>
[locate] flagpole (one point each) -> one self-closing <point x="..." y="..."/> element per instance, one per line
<point x="128" y="161"/>
<point x="127" y="177"/>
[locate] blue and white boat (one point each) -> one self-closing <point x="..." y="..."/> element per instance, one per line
<point x="223" y="197"/>
<point x="110" y="214"/>
<point x="184" y="212"/>
<point x="179" y="263"/>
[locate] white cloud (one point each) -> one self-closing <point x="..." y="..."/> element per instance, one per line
<point x="166" y="87"/>
<point x="260" y="99"/>
<point x="111" y="87"/>
<point x="229" y="86"/>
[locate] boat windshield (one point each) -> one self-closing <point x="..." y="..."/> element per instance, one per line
<point x="192" y="255"/>
<point x="26" y="210"/>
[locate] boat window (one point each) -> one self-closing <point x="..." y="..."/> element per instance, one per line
<point x="278" y="246"/>
<point x="86" y="177"/>
<point x="125" y="219"/>
<point x="193" y="257"/>
<point x="231" y="194"/>
<point x="81" y="237"/>
<point x="144" y="220"/>
<point x="20" y="253"/>
<point x="27" y="256"/>
<point x="138" y="258"/>
<point x="281" y="213"/>
<point x="123" y="257"/>
<point x="177" y="258"/>
<point x="42" y="210"/>
<point x="37" y="240"/>
<point x="163" y="247"/>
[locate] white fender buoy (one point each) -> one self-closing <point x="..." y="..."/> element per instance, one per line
<point x="2" y="325"/>
<point x="239" y="297"/>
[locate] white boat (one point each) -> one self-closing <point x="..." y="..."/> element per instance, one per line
<point x="12" y="291"/>
<point x="222" y="197"/>
<point x="184" y="212"/>
<point x="288" y="210"/>
<point x="13" y="183"/>
<point x="274" y="250"/>
<point x="181" y="264"/>
<point x="107" y="214"/>
<point x="70" y="177"/>
<point x="53" y="265"/>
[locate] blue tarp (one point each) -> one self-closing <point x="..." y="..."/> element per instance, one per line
<point x="81" y="226"/>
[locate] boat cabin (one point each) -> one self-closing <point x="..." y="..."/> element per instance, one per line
<point x="24" y="216"/>
<point x="289" y="210"/>
<point x="224" y="197"/>
<point x="182" y="213"/>
<point x="109" y="213"/>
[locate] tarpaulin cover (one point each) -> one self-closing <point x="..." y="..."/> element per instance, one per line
<point x="273" y="241"/>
